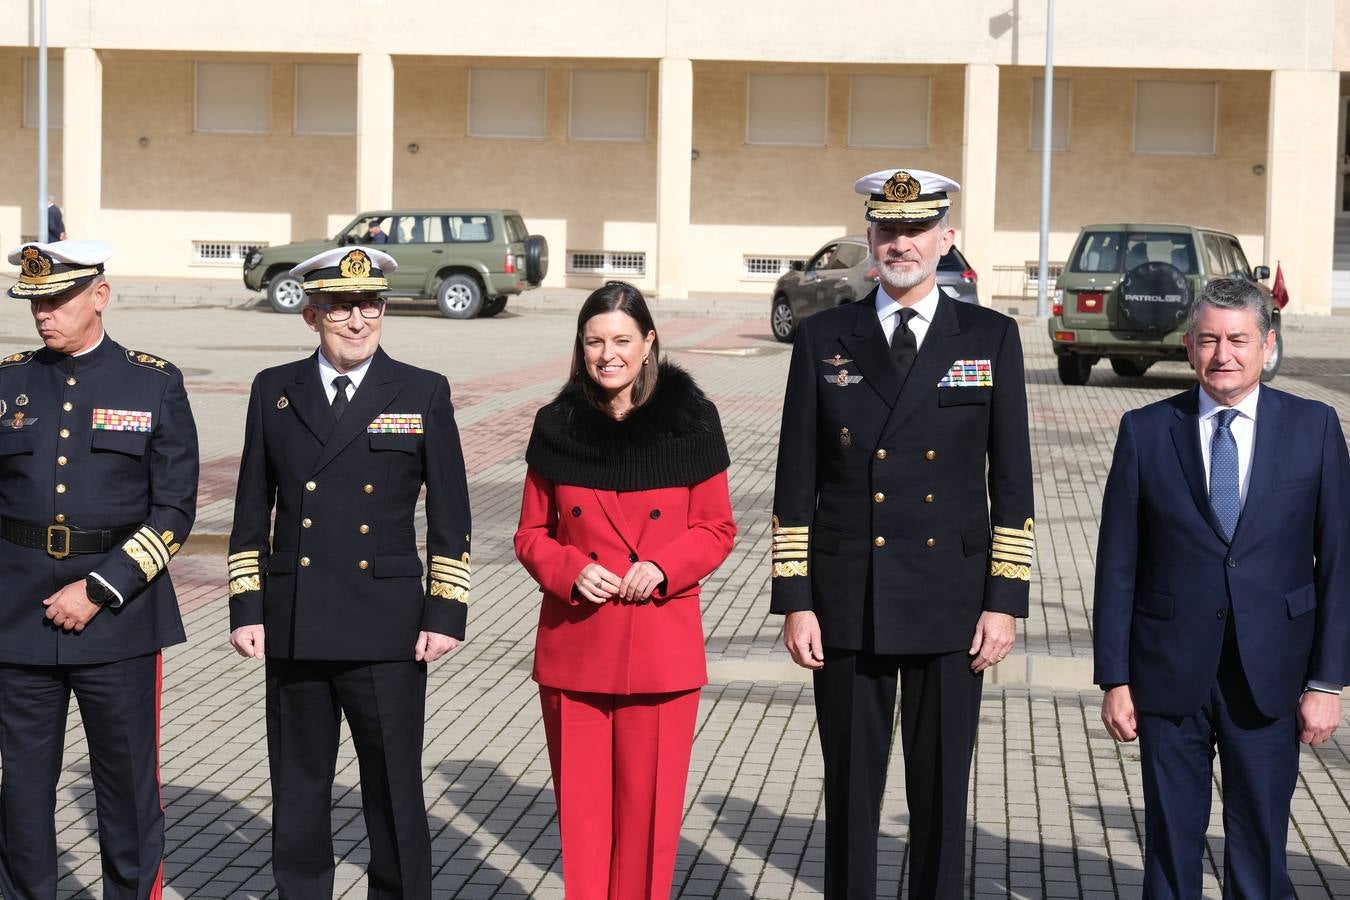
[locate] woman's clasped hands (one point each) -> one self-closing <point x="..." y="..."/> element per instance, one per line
<point x="599" y="585"/>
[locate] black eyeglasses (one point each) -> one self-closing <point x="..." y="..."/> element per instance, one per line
<point x="341" y="312"/>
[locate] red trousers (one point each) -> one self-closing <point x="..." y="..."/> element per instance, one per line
<point x="620" y="763"/>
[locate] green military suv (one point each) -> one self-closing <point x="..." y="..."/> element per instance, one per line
<point x="469" y="260"/>
<point x="1126" y="292"/>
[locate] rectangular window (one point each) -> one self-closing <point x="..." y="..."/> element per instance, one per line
<point x="888" y="110"/>
<point x="786" y="109"/>
<point x="769" y="268"/>
<point x="606" y="262"/>
<point x="223" y="253"/>
<point x="1059" y="119"/>
<point x="608" y="106"/>
<point x="233" y="97"/>
<point x="1175" y="117"/>
<point x="507" y="103"/>
<point x="56" y="92"/>
<point x="325" y="98"/>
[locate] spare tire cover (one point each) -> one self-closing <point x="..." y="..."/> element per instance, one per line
<point x="1154" y="297"/>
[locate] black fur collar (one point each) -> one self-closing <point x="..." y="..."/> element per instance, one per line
<point x="674" y="439"/>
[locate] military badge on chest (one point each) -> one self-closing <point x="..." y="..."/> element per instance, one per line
<point x="841" y="377"/>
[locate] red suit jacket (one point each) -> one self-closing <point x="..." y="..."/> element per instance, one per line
<point x="622" y="648"/>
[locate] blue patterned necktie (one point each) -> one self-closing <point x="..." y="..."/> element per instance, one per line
<point x="1224" y="496"/>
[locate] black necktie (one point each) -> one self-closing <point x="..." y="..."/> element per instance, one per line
<point x="340" y="396"/>
<point x="904" y="347"/>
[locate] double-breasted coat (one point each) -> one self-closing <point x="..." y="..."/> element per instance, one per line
<point x="902" y="513"/>
<point x="338" y="576"/>
<point x="104" y="441"/>
<point x="622" y="648"/>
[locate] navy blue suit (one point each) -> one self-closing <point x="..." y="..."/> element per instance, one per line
<point x="1217" y="639"/>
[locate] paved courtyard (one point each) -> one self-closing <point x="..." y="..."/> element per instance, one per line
<point x="1056" y="805"/>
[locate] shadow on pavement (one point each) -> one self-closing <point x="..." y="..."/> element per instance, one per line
<point x="524" y="817"/>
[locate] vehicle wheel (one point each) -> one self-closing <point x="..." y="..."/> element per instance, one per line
<point x="1272" y="366"/>
<point x="285" y="293"/>
<point x="781" y="319"/>
<point x="493" y="306"/>
<point x="536" y="259"/>
<point x="459" y="296"/>
<point x="1074" y="369"/>
<point x="1130" y="367"/>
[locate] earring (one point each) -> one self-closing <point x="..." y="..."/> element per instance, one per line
<point x="644" y="359"/>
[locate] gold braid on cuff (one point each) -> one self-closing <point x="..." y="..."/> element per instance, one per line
<point x="1014" y="550"/>
<point x="790" y="546"/>
<point x="449" y="578"/>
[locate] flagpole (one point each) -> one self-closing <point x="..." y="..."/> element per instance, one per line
<point x="42" y="235"/>
<point x="1047" y="120"/>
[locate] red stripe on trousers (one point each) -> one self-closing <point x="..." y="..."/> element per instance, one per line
<point x="157" y="889"/>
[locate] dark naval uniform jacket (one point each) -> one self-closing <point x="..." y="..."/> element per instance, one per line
<point x="104" y="441"/>
<point x="339" y="576"/>
<point x="901" y="513"/>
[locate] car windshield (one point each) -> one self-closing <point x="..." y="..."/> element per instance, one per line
<point x="1120" y="251"/>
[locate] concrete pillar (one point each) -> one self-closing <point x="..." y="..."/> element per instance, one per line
<point x="82" y="145"/>
<point x="374" y="131"/>
<point x="979" y="171"/>
<point x="1301" y="184"/>
<point x="674" y="145"/>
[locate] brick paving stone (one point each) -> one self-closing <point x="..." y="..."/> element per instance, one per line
<point x="1055" y="805"/>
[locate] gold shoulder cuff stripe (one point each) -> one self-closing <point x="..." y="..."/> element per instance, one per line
<point x="151" y="550"/>
<point x="17" y="359"/>
<point x="450" y="592"/>
<point x="244" y="585"/>
<point x="449" y="577"/>
<point x="1013" y="551"/>
<point x="999" y="569"/>
<point x="146" y="361"/>
<point x="791" y="544"/>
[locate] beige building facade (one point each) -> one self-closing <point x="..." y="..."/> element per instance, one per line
<point x="689" y="146"/>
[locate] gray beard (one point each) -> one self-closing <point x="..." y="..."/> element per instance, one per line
<point x="902" y="281"/>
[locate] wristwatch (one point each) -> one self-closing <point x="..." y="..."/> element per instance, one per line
<point x="97" y="591"/>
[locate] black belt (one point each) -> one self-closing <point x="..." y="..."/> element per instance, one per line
<point x="60" y="541"/>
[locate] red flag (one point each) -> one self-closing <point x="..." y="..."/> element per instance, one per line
<point x="1279" y="292"/>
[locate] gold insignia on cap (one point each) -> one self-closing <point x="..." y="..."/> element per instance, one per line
<point x="901" y="187"/>
<point x="35" y="263"/>
<point x="355" y="265"/>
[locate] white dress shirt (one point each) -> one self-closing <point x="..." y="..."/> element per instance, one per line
<point x="1243" y="427"/>
<point x="888" y="311"/>
<point x="327" y="372"/>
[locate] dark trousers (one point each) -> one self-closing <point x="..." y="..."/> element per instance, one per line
<point x="939" y="717"/>
<point x="119" y="706"/>
<point x="384" y="703"/>
<point x="1259" y="757"/>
